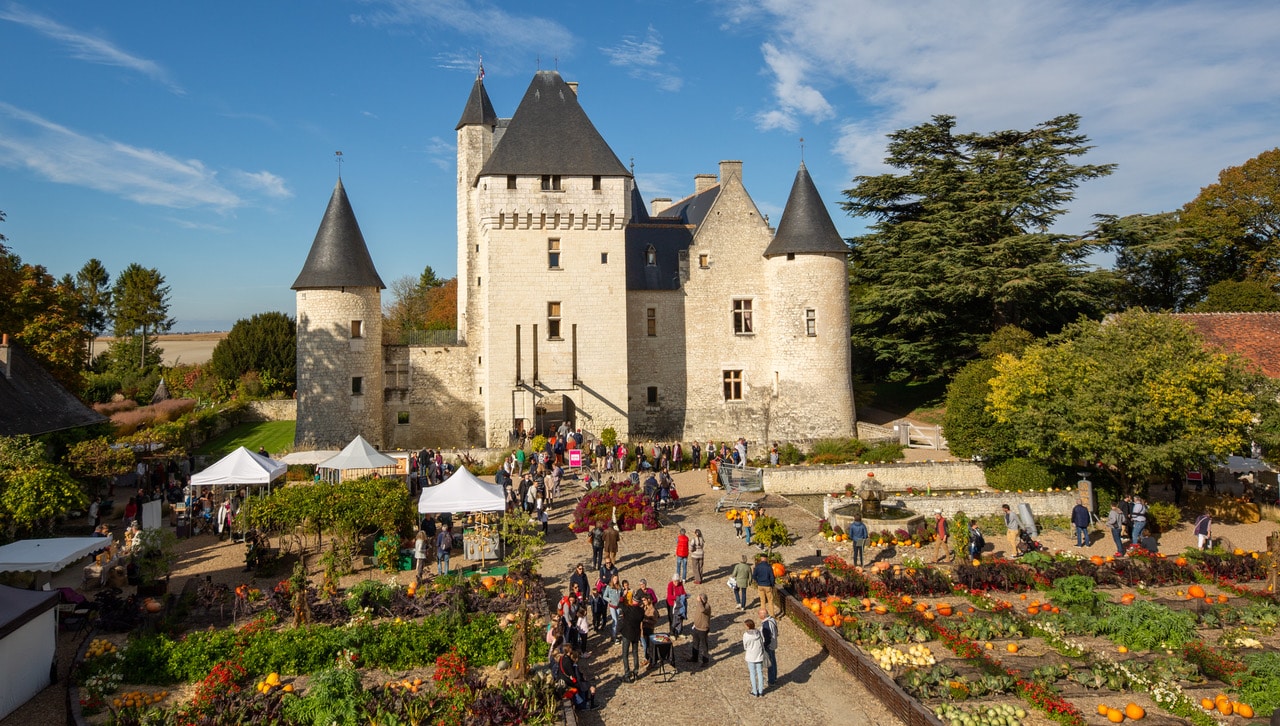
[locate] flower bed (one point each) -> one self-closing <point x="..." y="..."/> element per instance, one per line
<point x="622" y="502"/>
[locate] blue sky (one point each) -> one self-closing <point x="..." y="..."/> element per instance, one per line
<point x="198" y="138"/>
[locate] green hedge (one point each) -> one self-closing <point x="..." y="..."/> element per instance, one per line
<point x="1019" y="474"/>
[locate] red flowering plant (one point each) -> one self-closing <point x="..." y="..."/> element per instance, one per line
<point x="224" y="679"/>
<point x="1212" y="663"/>
<point x="623" y="500"/>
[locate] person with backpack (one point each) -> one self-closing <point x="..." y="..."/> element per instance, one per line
<point x="1115" y="523"/>
<point x="565" y="669"/>
<point x="697" y="553"/>
<point x="444" y="545"/>
<point x="596" y="537"/>
<point x="1138" y="521"/>
<point x="976" y="541"/>
<point x="1202" y="531"/>
<point x="769" y="629"/>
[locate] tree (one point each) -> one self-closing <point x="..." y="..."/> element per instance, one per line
<point x="1156" y="260"/>
<point x="33" y="492"/>
<point x="140" y="305"/>
<point x="970" y="428"/>
<point x="1239" y="216"/>
<point x="98" y="459"/>
<point x="424" y="303"/>
<point x="1139" y="395"/>
<point x="93" y="282"/>
<point x="44" y="315"/>
<point x="267" y="344"/>
<point x="1246" y="296"/>
<point x="523" y="541"/>
<point x="960" y="245"/>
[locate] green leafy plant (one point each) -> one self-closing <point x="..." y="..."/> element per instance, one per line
<point x="1019" y="474"/>
<point x="1148" y="626"/>
<point x="1260" y="685"/>
<point x="1167" y="516"/>
<point x="609" y="437"/>
<point x="1076" y="593"/>
<point x="958" y="530"/>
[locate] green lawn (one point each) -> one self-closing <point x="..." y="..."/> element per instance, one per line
<point x="919" y="401"/>
<point x="276" y="436"/>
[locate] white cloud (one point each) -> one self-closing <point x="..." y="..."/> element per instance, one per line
<point x="643" y="59"/>
<point x="497" y="32"/>
<point x="265" y="182"/>
<point x="370" y="114"/>
<point x="441" y="152"/>
<point x="146" y="176"/>
<point x="1172" y="92"/>
<point x="86" y="47"/>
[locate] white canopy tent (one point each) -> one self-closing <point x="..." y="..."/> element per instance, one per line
<point x="240" y="468"/>
<point x="358" y="459"/>
<point x="48" y="555"/>
<point x="462" y="492"/>
<point x="28" y="641"/>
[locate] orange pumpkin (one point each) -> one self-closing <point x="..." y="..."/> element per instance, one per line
<point x="1115" y="715"/>
<point x="1033" y="610"/>
<point x="1208" y="600"/>
<point x="1244" y="710"/>
<point x="921" y="607"/>
<point x="866" y="603"/>
<point x="1222" y="598"/>
<point x="1134" y="711"/>
<point x="1206" y="704"/>
<point x="1225" y="707"/>
<point x="779" y="569"/>
<point x="489" y="583"/>
<point x="1127" y="598"/>
<point x="944" y="609"/>
<point x="1180" y="562"/>
<point x="828" y="610"/>
<point x="906" y="600"/>
<point x="881" y="610"/>
<point x="1097" y="560"/>
<point x="1196" y="591"/>
<point x="1102" y="709"/>
<point x="1012" y="647"/>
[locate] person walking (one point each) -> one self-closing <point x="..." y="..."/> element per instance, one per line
<point x="976" y="540"/>
<point x="1080" y="521"/>
<point x="1013" y="526"/>
<point x="701" y="630"/>
<point x="858" y="536"/>
<point x="675" y="589"/>
<point x="1138" y="521"/>
<point x="769" y="631"/>
<point x="682" y="555"/>
<point x="444" y="545"/>
<point x="940" y="538"/>
<point x="697" y="549"/>
<point x="748" y="523"/>
<point x="753" y="651"/>
<point x="763" y="576"/>
<point x="1115" y="523"/>
<point x="739" y="581"/>
<point x="1203" y="531"/>
<point x="613" y="601"/>
<point x="420" y="546"/>
<point x="611" y="538"/>
<point x="596" y="537"/>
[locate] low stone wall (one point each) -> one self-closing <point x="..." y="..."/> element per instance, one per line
<point x="898" y="476"/>
<point x="974" y="505"/>
<point x="285" y="409"/>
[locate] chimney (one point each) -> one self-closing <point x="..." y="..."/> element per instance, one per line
<point x="659" y="205"/>
<point x="6" y="357"/>
<point x="703" y="182"/>
<point x="730" y="168"/>
<point x="573" y="86"/>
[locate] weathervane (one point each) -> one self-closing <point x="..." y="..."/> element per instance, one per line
<point x="802" y="149"/>
<point x="337" y="156"/>
<point x="633" y="166"/>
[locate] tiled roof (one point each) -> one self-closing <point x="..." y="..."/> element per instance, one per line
<point x="668" y="238"/>
<point x="806" y="227"/>
<point x="550" y="134"/>
<point x="339" y="257"/>
<point x="1254" y="336"/>
<point x="693" y="208"/>
<point x="33" y="402"/>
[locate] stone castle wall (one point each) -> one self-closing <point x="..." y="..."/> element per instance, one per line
<point x="434" y="402"/>
<point x="940" y="475"/>
<point x="657" y="361"/>
<point x="329" y="413"/>
<point x="285" y="409"/>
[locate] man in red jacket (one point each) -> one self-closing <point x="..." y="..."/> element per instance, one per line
<point x="682" y="555"/>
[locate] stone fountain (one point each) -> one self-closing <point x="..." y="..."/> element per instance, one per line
<point x="870" y="502"/>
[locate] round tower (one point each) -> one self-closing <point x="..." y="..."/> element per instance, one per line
<point x="807" y="272"/>
<point x="340" y="366"/>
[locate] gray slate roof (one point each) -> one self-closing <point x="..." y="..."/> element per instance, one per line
<point x="692" y="209"/>
<point x="551" y="134"/>
<point x="33" y="402"/>
<point x="339" y="257"/>
<point x="668" y="237"/>
<point x="478" y="111"/>
<point x="806" y="227"/>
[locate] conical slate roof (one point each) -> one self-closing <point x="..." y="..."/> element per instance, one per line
<point x="806" y="227"/>
<point x="339" y="256"/>
<point x="551" y="134"/>
<point x="478" y="111"/>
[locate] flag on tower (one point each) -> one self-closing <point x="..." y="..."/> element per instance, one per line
<point x="481" y="76"/>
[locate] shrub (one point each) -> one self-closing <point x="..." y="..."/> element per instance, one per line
<point x="1165" y="515"/>
<point x="623" y="498"/>
<point x="609" y="437"/>
<point x="1016" y="474"/>
<point x="789" y="455"/>
<point x="884" y="451"/>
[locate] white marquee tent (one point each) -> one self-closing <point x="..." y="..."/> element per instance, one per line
<point x="240" y="468"/>
<point x="462" y="492"/>
<point x="28" y="641"/>
<point x="48" y="555"/>
<point x="358" y="459"/>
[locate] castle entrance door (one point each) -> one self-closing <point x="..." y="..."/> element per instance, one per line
<point x="553" y="410"/>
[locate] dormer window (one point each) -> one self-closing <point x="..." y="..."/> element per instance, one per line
<point x="550" y="182"/>
<point x="651" y="256"/>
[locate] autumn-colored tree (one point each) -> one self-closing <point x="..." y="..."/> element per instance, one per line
<point x="44" y="315"/>
<point x="442" y="307"/>
<point x="1138" y="394"/>
<point x="1240" y="218"/>
<point x="422" y="303"/>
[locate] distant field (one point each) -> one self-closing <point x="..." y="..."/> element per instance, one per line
<point x="276" y="436"/>
<point x="186" y="348"/>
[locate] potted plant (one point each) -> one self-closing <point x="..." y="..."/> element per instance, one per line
<point x="154" y="555"/>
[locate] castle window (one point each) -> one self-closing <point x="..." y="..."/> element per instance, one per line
<point x="651" y="257"/>
<point x="604" y="258"/>
<point x="553" y="321"/>
<point x="733" y="385"/>
<point x="402" y="417"/>
<point x="651" y="322"/>
<point x="550" y="182"/>
<point x="357" y="386"/>
<point x="651" y="396"/>
<point x="742" y="317"/>
<point x="810" y="322"/>
<point x="704" y="260"/>
<point x="553" y="254"/>
<point x="595" y="183"/>
<point x="397" y="377"/>
<point x="555" y="221"/>
<point x="542" y="221"/>
<point x="502" y="219"/>
<point x="357" y="329"/>
<point x="511" y="181"/>
<point x="791" y="256"/>
<point x="477" y="282"/>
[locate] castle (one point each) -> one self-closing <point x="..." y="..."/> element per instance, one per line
<point x="690" y="320"/>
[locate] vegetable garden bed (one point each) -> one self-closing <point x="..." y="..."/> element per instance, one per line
<point x="1149" y="638"/>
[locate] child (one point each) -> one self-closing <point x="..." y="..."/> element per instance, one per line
<point x="737" y="524"/>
